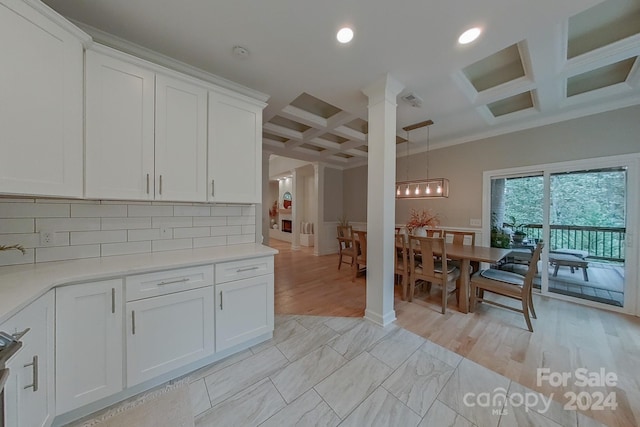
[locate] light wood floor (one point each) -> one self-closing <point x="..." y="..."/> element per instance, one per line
<point x="567" y="336"/>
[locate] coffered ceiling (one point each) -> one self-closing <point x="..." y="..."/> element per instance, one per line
<point x="535" y="62"/>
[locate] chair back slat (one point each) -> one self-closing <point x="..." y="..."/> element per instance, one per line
<point x="422" y="256"/>
<point x="533" y="268"/>
<point x="460" y="237"/>
<point x="362" y="241"/>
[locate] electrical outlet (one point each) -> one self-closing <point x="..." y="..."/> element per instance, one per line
<point x="46" y="238"/>
<point x="475" y="222"/>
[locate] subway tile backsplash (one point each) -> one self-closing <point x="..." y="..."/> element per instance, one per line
<point x="88" y="229"/>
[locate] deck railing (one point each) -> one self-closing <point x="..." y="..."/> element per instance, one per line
<point x="604" y="243"/>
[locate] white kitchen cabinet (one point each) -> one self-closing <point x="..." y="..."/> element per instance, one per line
<point x="180" y="141"/>
<point x="29" y="392"/>
<point x="89" y="343"/>
<point x="167" y="332"/>
<point x="41" y="117"/>
<point x="119" y="129"/>
<point x="244" y="310"/>
<point x="235" y="148"/>
<point x="146" y="132"/>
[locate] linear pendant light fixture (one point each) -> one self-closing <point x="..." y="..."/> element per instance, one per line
<point x="428" y="188"/>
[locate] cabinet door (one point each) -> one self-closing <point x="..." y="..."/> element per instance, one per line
<point x="40" y="106"/>
<point x="244" y="310"/>
<point x="235" y="150"/>
<point x="29" y="393"/>
<point x="180" y="141"/>
<point x="167" y="332"/>
<point x="120" y="127"/>
<point x="89" y="343"/>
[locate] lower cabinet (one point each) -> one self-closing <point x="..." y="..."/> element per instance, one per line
<point x="244" y="310"/>
<point x="89" y="343"/>
<point x="167" y="332"/>
<point x="29" y="393"/>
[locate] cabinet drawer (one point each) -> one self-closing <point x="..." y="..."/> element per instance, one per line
<point x="234" y="270"/>
<point x="167" y="282"/>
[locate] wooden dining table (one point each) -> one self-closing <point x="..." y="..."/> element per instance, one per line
<point x="466" y="254"/>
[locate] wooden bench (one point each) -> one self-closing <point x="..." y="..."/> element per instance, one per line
<point x="571" y="261"/>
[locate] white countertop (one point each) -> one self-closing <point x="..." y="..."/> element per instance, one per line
<point x="23" y="284"/>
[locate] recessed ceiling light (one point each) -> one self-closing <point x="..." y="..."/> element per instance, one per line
<point x="469" y="35"/>
<point x="345" y="35"/>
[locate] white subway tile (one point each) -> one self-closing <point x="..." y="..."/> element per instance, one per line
<point x="67" y="224"/>
<point x="209" y="221"/>
<point x="171" y="222"/>
<point x="110" y="249"/>
<point x="67" y="252"/>
<point x="161" y="203"/>
<point x="241" y="220"/>
<point x="248" y="229"/>
<point x="226" y="231"/>
<point x="136" y="210"/>
<point x="243" y="238"/>
<point x="203" y="242"/>
<point x="34" y="210"/>
<point x="5" y="199"/>
<point x="170" y="245"/>
<point x="88" y="237"/>
<point x="119" y="202"/>
<point x="179" y="233"/>
<point x="148" y="234"/>
<point x="16" y="257"/>
<point x="18" y="225"/>
<point x="249" y="210"/>
<point x="226" y="211"/>
<point x="28" y="240"/>
<point x="100" y="211"/>
<point x="125" y="223"/>
<point x="191" y="211"/>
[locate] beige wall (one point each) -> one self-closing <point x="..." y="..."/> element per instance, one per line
<point x="607" y="134"/>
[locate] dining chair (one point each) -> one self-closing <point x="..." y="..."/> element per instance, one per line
<point x="361" y="249"/>
<point x="423" y="266"/>
<point x="462" y="238"/>
<point x="401" y="263"/>
<point x="345" y="245"/>
<point x="507" y="284"/>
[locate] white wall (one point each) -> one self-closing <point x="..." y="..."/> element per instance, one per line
<point x="90" y="229"/>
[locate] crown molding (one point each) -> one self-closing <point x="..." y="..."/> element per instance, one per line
<point x="126" y="46"/>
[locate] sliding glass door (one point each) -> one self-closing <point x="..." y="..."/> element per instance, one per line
<point x="582" y="211"/>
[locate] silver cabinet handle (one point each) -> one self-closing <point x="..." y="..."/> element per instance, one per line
<point x="113" y="300"/>
<point x="213" y="187"/>
<point x="34" y="365"/>
<point x="186" y="279"/>
<point x="147" y="183"/>
<point x="160" y="190"/>
<point x="19" y="335"/>
<point x="220" y="300"/>
<point x="240" y="270"/>
<point x="133" y="322"/>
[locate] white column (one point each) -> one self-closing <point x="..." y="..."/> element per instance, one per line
<point x="262" y="211"/>
<point x="381" y="203"/>
<point x="318" y="175"/>
<point x="295" y="209"/>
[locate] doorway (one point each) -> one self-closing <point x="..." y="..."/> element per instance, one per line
<point x="582" y="211"/>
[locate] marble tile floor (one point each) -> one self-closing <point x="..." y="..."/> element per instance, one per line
<point x="330" y="371"/>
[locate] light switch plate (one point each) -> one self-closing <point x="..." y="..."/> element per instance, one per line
<point x="475" y="222"/>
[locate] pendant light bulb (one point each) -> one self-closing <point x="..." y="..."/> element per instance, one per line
<point x="407" y="192"/>
<point x="398" y="191"/>
<point x="417" y="190"/>
<point x="439" y="189"/>
<point x="428" y="190"/>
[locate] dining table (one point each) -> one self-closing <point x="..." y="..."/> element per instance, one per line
<point x="466" y="254"/>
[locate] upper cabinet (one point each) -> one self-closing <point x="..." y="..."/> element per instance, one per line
<point x="235" y="148"/>
<point x="146" y="133"/>
<point x="41" y="117"/>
